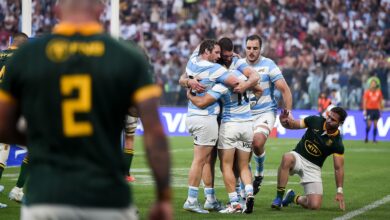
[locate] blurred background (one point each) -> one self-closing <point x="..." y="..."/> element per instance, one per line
<point x="331" y="47"/>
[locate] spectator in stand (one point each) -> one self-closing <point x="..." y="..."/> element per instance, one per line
<point x="323" y="102"/>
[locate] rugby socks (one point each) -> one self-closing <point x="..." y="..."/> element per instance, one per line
<point x="233" y="197"/>
<point x="295" y="200"/>
<point x="210" y="195"/>
<point x="128" y="155"/>
<point x="2" y="166"/>
<point x="259" y="161"/>
<point x="23" y="173"/>
<point x="375" y="133"/>
<point x="249" y="190"/>
<point x="192" y="194"/>
<point x="280" y="192"/>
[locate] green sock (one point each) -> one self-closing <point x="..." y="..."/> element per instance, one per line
<point x="128" y="156"/>
<point x="2" y="166"/>
<point x="280" y="192"/>
<point x="23" y="173"/>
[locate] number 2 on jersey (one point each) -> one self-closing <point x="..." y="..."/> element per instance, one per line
<point x="81" y="104"/>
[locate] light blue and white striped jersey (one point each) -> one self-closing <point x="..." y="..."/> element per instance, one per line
<point x="209" y="73"/>
<point x="238" y="64"/>
<point x="233" y="109"/>
<point x="269" y="73"/>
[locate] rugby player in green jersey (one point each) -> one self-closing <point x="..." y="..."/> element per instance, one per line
<point x="321" y="139"/>
<point x="16" y="193"/>
<point x="74" y="88"/>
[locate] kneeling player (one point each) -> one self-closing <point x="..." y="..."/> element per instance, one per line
<point x="321" y="139"/>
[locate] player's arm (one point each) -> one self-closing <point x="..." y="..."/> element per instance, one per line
<point x="9" y="115"/>
<point x="282" y="86"/>
<point x="187" y="82"/>
<point x="338" y="162"/>
<point x="253" y="79"/>
<point x="155" y="141"/>
<point x="201" y="101"/>
<point x="286" y="120"/>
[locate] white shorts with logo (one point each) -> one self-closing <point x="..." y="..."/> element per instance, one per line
<point x="237" y="135"/>
<point x="308" y="171"/>
<point x="266" y="119"/>
<point x="204" y="129"/>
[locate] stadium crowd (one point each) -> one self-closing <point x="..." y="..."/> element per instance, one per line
<point x="329" y="46"/>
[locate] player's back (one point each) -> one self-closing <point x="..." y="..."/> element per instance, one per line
<point x="75" y="92"/>
<point x="208" y="73"/>
<point x="234" y="106"/>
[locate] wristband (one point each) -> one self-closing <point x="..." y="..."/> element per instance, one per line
<point x="340" y="190"/>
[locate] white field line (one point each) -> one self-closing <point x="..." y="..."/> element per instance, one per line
<point x="366" y="208"/>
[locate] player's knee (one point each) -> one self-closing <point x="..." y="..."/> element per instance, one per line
<point x="259" y="141"/>
<point x="314" y="204"/>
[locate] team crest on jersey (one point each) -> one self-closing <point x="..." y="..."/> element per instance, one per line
<point x="329" y="142"/>
<point x="312" y="149"/>
<point x="262" y="70"/>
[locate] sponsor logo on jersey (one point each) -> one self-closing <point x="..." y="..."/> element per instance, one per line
<point x="59" y="50"/>
<point x="312" y="149"/>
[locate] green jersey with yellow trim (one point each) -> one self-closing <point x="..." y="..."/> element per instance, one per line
<point x="4" y="55"/>
<point x="316" y="145"/>
<point x="74" y="88"/>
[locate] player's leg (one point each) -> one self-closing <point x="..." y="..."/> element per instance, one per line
<point x="289" y="162"/>
<point x="312" y="198"/>
<point x="226" y="157"/>
<point x="263" y="125"/>
<point x="205" y="133"/>
<point x="4" y="152"/>
<point x="128" y="149"/>
<point x="16" y="193"/>
<point x="375" y="132"/>
<point x="208" y="177"/>
<point x="246" y="178"/>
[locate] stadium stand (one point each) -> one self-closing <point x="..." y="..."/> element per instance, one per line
<point x="328" y="45"/>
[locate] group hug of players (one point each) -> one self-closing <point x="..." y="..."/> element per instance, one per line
<point x="232" y="111"/>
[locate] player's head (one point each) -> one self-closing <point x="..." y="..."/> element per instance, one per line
<point x="336" y="117"/>
<point x="18" y="39"/>
<point x="79" y="10"/>
<point x="227" y="47"/>
<point x="210" y="50"/>
<point x="253" y="48"/>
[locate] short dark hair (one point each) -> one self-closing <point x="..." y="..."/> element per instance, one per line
<point x="226" y="44"/>
<point x="341" y="112"/>
<point x="207" y="45"/>
<point x="254" y="37"/>
<point x="19" y="38"/>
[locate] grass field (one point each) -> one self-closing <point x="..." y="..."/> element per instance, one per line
<point x="367" y="168"/>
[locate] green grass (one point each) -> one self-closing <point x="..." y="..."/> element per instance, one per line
<point x="366" y="178"/>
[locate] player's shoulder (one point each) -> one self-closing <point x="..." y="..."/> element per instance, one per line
<point x="267" y="62"/>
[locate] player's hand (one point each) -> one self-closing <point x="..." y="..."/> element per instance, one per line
<point x="240" y="87"/>
<point x="197" y="86"/>
<point x="284" y="117"/>
<point x="161" y="210"/>
<point x="340" y="199"/>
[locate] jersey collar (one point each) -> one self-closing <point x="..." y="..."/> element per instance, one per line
<point x="86" y="29"/>
<point x="333" y="134"/>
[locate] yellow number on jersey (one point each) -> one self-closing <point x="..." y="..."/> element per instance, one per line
<point x="71" y="106"/>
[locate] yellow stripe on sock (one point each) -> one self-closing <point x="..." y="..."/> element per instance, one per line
<point x="2" y="165"/>
<point x="296" y="199"/>
<point x="129" y="151"/>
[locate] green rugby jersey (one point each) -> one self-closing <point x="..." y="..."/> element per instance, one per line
<point x="315" y="144"/>
<point x="74" y="87"/>
<point x="4" y="55"/>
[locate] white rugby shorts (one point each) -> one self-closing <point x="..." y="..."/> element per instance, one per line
<point x="237" y="135"/>
<point x="266" y="119"/>
<point x="308" y="171"/>
<point x="204" y="129"/>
